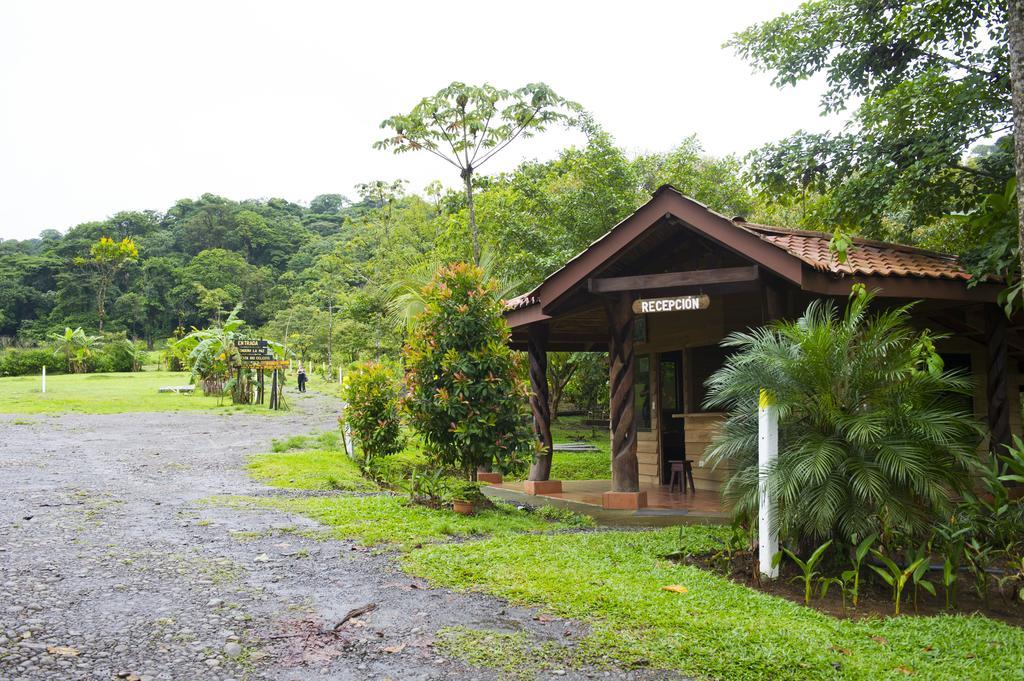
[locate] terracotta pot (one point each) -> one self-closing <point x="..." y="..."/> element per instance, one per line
<point x="463" y="507"/>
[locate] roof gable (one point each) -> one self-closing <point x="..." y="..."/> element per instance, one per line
<point x="800" y="257"/>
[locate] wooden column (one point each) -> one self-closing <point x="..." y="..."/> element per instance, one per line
<point x="537" y="348"/>
<point x="997" y="381"/>
<point x="625" y="471"/>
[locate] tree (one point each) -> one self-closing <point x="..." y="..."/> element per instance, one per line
<point x="929" y="79"/>
<point x="327" y="204"/>
<point x="382" y="195"/>
<point x="467" y="125"/>
<point x="108" y="257"/>
<point x="372" y="410"/>
<point x="464" y="395"/>
<point x="1015" y="34"/>
<point x="874" y="435"/>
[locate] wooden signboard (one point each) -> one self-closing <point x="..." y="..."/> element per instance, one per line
<point x="253" y="351"/>
<point x="671" y="304"/>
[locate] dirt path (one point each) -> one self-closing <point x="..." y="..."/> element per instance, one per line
<point x="107" y="551"/>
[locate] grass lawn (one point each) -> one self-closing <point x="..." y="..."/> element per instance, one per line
<point x="716" y="629"/>
<point x="310" y="469"/>
<point x="386" y="519"/>
<point x="106" y="394"/>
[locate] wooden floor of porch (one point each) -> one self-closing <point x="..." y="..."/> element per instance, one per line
<point x="663" y="507"/>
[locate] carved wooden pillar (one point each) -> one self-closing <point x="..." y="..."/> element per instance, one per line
<point x="537" y="341"/>
<point x="625" y="471"/>
<point x="997" y="382"/>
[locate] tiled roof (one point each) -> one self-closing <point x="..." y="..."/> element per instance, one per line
<point x="865" y="257"/>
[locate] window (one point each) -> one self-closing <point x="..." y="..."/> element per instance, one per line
<point x="642" y="393"/>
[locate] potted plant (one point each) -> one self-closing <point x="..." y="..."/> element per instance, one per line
<point x="464" y="496"/>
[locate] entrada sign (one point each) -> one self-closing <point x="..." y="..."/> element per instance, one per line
<point x="674" y="304"/>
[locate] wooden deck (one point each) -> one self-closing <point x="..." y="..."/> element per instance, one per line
<point x="585" y="496"/>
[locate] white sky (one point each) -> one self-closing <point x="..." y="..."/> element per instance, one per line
<point x="108" y="106"/>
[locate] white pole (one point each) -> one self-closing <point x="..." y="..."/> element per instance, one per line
<point x="339" y="375"/>
<point x="767" y="455"/>
<point x="44" y="379"/>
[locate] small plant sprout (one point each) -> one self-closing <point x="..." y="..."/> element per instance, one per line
<point x="809" y="574"/>
<point x="895" y="576"/>
<point x="852" y="576"/>
<point x="920" y="558"/>
<point x="843" y="583"/>
<point x="979" y="558"/>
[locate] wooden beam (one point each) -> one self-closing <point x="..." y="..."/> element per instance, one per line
<point x="646" y="282"/>
<point x="625" y="469"/>
<point x="539" y="400"/>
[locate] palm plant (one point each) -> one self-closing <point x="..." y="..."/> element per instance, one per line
<point x="871" y="432"/>
<point x="406" y="296"/>
<point x="76" y="346"/>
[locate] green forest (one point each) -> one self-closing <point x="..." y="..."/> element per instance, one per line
<point x="925" y="159"/>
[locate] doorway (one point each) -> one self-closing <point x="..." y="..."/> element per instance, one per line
<point x="670" y="404"/>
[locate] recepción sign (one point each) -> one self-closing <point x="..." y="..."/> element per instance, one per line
<point x="674" y="304"/>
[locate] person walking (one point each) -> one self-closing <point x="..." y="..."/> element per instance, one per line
<point x="302" y="379"/>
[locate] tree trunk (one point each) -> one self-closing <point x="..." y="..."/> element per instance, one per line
<point x="330" y="337"/>
<point x="1015" y="35"/>
<point x="467" y="177"/>
<point x="537" y="349"/>
<point x="625" y="469"/>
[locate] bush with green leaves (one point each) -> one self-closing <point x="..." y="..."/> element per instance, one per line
<point x="463" y="392"/>
<point x="24" y="362"/>
<point x="873" y="433"/>
<point x="371" y="393"/>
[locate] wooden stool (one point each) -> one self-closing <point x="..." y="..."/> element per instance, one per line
<point x="681" y="472"/>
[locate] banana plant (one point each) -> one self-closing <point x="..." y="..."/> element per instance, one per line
<point x="852" y="576"/>
<point x="809" y="574"/>
<point x="895" y="576"/>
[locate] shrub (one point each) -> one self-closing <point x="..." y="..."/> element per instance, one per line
<point x="118" y="354"/>
<point x="371" y="393"/>
<point x="873" y="434"/>
<point x="17" y="362"/>
<point x="464" y="396"/>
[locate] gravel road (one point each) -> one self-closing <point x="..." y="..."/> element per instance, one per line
<point x="112" y="567"/>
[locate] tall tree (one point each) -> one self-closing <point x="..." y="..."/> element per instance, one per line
<point x="1015" y="35"/>
<point x="108" y="257"/>
<point x="467" y="125"/>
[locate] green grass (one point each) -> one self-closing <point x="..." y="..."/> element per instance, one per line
<point x="310" y="469"/>
<point x="385" y="519"/>
<point x="718" y="629"/>
<point x="580" y="465"/>
<point x="106" y="394"/>
<point x="328" y="439"/>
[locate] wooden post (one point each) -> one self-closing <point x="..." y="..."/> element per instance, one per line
<point x="539" y="400"/>
<point x="996" y="383"/>
<point x="767" y="455"/>
<point x="625" y="492"/>
<point x="273" y="390"/>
